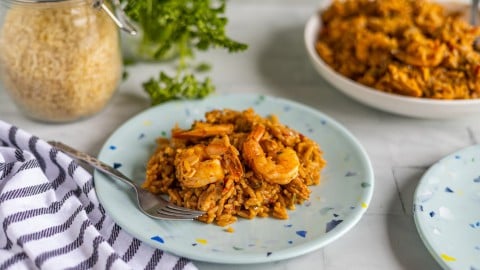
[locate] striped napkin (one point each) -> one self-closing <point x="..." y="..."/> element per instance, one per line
<point x="51" y="217"/>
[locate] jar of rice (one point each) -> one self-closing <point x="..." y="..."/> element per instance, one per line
<point x="60" y="60"/>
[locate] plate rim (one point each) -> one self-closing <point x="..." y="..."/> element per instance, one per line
<point x="416" y="216"/>
<point x="248" y="258"/>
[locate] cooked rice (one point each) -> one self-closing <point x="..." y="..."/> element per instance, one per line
<point x="407" y="47"/>
<point x="243" y="191"/>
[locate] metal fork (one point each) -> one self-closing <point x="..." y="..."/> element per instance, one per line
<point x="151" y="205"/>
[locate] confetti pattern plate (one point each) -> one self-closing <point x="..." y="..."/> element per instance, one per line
<point x="335" y="205"/>
<point x="447" y="210"/>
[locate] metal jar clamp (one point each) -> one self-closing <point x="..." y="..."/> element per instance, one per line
<point x="120" y="19"/>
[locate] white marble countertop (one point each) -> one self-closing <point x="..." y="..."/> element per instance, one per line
<point x="276" y="63"/>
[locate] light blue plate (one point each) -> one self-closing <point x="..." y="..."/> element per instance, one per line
<point x="447" y="210"/>
<point x="335" y="205"/>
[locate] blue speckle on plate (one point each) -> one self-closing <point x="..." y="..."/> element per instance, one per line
<point x="475" y="225"/>
<point x="117" y="165"/>
<point x="335" y="215"/>
<point x="141" y="136"/>
<point x="308" y="203"/>
<point x="432" y="214"/>
<point x="287" y="108"/>
<point x="332" y="224"/>
<point x="349" y="174"/>
<point x="323" y="122"/>
<point x="449" y="190"/>
<point x="269" y="253"/>
<point x="476" y="180"/>
<point x="457" y="157"/>
<point x="418" y="207"/>
<point x="260" y="99"/>
<point x="158" y="239"/>
<point x="112" y="147"/>
<point x="288" y="225"/>
<point x="301" y="233"/>
<point x="365" y="185"/>
<point x="290" y="242"/>
<point x="194" y="244"/>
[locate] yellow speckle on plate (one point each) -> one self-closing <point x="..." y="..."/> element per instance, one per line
<point x="147" y="123"/>
<point x="447" y="258"/>
<point x="201" y="241"/>
<point x="229" y="229"/>
<point x="364" y="205"/>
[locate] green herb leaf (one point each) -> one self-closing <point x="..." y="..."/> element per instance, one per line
<point x="203" y="67"/>
<point x="181" y="26"/>
<point x="170" y="23"/>
<point x="167" y="88"/>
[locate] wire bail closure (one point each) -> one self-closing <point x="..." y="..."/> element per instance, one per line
<point x="121" y="21"/>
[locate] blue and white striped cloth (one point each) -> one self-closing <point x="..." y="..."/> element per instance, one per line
<point x="51" y="217"/>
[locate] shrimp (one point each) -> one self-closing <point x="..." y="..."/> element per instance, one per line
<point x="203" y="130"/>
<point x="200" y="165"/>
<point x="280" y="169"/>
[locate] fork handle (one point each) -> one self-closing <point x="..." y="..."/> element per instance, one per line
<point x="97" y="164"/>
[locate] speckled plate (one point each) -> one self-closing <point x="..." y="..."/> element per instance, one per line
<point x="447" y="209"/>
<point x="335" y="205"/>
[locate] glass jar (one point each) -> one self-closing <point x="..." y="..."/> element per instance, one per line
<point x="60" y="60"/>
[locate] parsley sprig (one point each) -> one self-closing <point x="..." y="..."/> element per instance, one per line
<point x="184" y="26"/>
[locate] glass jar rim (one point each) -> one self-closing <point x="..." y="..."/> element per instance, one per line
<point x="122" y="22"/>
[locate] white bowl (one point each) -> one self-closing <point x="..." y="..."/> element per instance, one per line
<point x="393" y="103"/>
